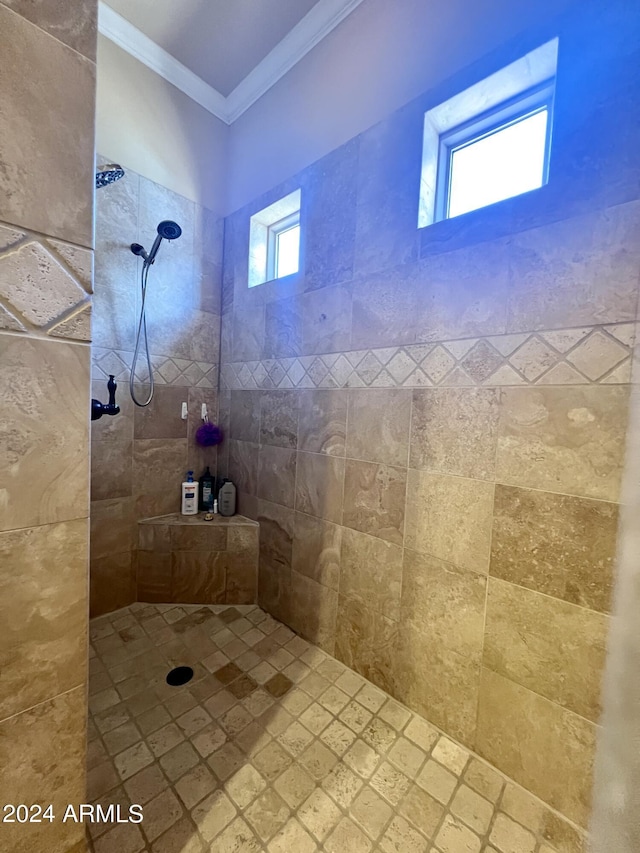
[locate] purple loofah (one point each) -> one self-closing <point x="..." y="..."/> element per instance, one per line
<point x="208" y="435"/>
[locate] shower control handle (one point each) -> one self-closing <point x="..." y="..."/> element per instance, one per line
<point x="99" y="409"/>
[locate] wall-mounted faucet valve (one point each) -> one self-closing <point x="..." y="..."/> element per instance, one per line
<point x="99" y="409"/>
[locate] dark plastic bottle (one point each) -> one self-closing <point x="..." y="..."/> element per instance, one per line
<point x="206" y="494"/>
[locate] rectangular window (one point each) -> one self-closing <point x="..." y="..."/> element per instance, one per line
<point x="274" y="240"/>
<point x="500" y="154"/>
<point x="283" y="252"/>
<point x="491" y="141"/>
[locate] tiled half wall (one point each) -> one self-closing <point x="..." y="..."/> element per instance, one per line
<point x="430" y="425"/>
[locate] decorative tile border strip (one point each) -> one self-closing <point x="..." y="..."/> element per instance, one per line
<point x="595" y="354"/>
<point x="167" y="371"/>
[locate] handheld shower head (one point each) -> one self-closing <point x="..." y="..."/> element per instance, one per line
<point x="167" y="230"/>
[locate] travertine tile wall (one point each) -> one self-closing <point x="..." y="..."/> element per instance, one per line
<point x="47" y="102"/>
<point x="139" y="457"/>
<point x="429" y="425"/>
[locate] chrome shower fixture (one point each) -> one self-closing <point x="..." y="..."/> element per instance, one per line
<point x="108" y="174"/>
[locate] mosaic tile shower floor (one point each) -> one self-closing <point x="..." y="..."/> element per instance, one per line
<point x="276" y="746"/>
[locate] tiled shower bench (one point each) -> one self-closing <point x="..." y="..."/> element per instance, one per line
<point x="192" y="561"/>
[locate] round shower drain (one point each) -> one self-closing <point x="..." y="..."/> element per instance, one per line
<point x="179" y="675"/>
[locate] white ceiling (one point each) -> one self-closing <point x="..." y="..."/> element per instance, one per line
<point x="219" y="40"/>
<point x="224" y="54"/>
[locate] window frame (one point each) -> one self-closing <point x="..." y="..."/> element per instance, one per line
<point x="287" y="223"/>
<point x="503" y="115"/>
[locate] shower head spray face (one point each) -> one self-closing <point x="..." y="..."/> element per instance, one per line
<point x="167" y="230"/>
<point x="108" y="174"/>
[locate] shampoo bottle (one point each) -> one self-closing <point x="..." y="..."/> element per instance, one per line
<point x="227" y="498"/>
<point x="189" y="496"/>
<point x="207" y="482"/>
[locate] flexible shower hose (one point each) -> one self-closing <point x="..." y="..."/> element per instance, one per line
<point x="142" y="333"/>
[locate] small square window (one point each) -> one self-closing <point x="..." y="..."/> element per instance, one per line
<point x="491" y="141"/>
<point x="499" y="155"/>
<point x="274" y="240"/>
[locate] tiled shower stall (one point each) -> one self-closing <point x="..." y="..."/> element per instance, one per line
<point x="428" y="426"/>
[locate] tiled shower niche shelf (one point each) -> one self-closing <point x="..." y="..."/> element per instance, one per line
<point x="192" y="561"/>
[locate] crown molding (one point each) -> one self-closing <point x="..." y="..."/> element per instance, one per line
<point x="141" y="47"/>
<point x="316" y="24"/>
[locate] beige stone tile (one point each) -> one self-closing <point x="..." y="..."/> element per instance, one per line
<point x="318" y="760"/>
<point x="322" y="422"/>
<point x="452" y="756"/>
<point x="374" y="499"/>
<point x="125" y="838"/>
<point x="131" y="760"/>
<point x="164" y="739"/>
<point x="553" y="648"/>
<point x="518" y="730"/>
<point x="101" y="779"/>
<point x="195" y="785"/>
<point x="379" y="735"/>
<point x="450" y="518"/>
<point x="243" y="465"/>
<point x="63" y="162"/>
<point x="112" y="526"/>
<point x="45" y="432"/>
<point x="267" y="814"/>
<point x="407" y="756"/>
<point x="198" y="576"/>
<point x="272" y="760"/>
<point x="378" y="425"/>
<point x="319" y="814"/>
<point x="454" y="431"/>
<point x="355" y="716"/>
<point x="437" y="781"/>
<point x="245" y="415"/>
<point x="319" y="486"/>
<point x="422" y="810"/>
<point x="213" y="814"/>
<point x="563" y="439"/>
<point x="314" y="610"/>
<point x="365" y="641"/>
<point x="292" y="836"/>
<point x="43" y="610"/>
<point x="279" y="418"/>
<point x="347" y="836"/>
<point x="362" y="759"/>
<point x="371" y="697"/>
<point x="338" y="737"/>
<point x="401" y="837"/>
<point x="342" y="784"/>
<point x="180" y="759"/>
<point x="370" y="812"/>
<point x="509" y="837"/>
<point x="245" y="785"/>
<point x="294" y="785"/>
<point x="295" y="738"/>
<point x="122" y="737"/>
<point x="316" y="550"/>
<point x="315" y="718"/>
<point x="484" y="779"/>
<point x="181" y="838"/>
<point x="556" y="544"/>
<point x="455" y="837"/>
<point x="277" y="475"/>
<point x="562" y="276"/>
<point x="160" y="814"/>
<point x="421" y="733"/>
<point x="146" y="784"/>
<point x="473" y="809"/>
<point x="44" y="750"/>
<point x="390" y="782"/>
<point x="371" y="572"/>
<point x="237" y="836"/>
<point x="158" y="466"/>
